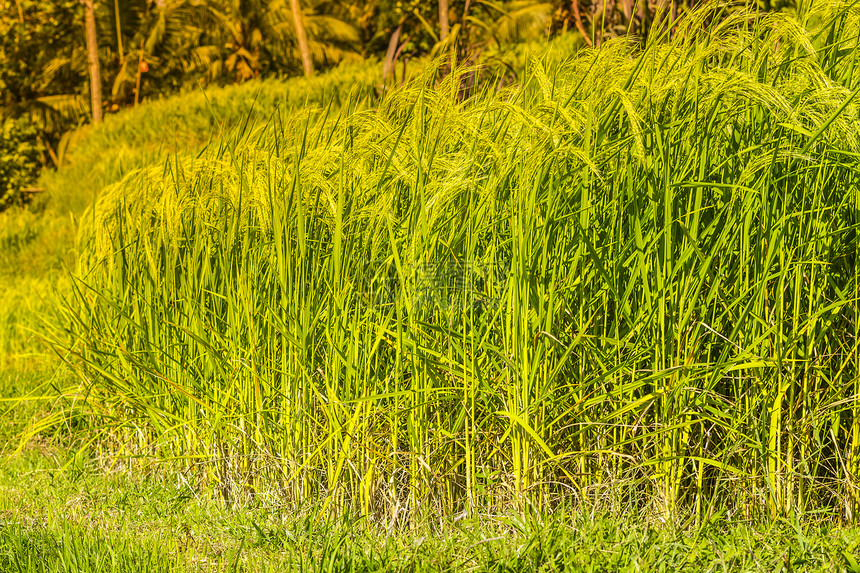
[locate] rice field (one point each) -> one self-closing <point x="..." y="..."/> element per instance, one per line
<point x="628" y="281"/>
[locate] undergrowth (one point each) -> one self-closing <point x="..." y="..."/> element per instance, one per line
<point x="84" y="522"/>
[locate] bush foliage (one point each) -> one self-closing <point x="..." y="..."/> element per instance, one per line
<point x="20" y="160"/>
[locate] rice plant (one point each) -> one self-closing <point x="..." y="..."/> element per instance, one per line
<point x="628" y="279"/>
<point x="96" y="156"/>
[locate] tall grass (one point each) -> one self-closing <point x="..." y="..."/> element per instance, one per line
<point x="96" y="156"/>
<point x="629" y="279"/>
<point x="37" y="242"/>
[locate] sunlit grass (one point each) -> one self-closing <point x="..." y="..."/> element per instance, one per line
<point x="85" y="522"/>
<point x="672" y="325"/>
<point x="37" y="242"/>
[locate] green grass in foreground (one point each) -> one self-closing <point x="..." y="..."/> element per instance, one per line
<point x="61" y="512"/>
<point x="81" y="521"/>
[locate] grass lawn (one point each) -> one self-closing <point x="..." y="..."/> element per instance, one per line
<point x="83" y="521"/>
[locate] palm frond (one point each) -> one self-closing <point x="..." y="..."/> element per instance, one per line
<point x="50" y="113"/>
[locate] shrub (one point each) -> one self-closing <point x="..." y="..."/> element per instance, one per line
<point x="20" y="159"/>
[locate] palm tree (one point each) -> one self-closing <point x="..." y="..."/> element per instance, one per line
<point x="302" y="38"/>
<point x="391" y="53"/>
<point x="35" y="35"/>
<point x="181" y="42"/>
<point x="443" y="20"/>
<point x="513" y="21"/>
<point x="263" y="34"/>
<point x="93" y="58"/>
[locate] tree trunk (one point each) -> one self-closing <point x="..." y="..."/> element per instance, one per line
<point x="139" y="74"/>
<point x="388" y="64"/>
<point x="465" y="30"/>
<point x="302" y="38"/>
<point x="443" y="19"/>
<point x="577" y="18"/>
<point x="627" y="8"/>
<point x="93" y="57"/>
<point x="118" y="32"/>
